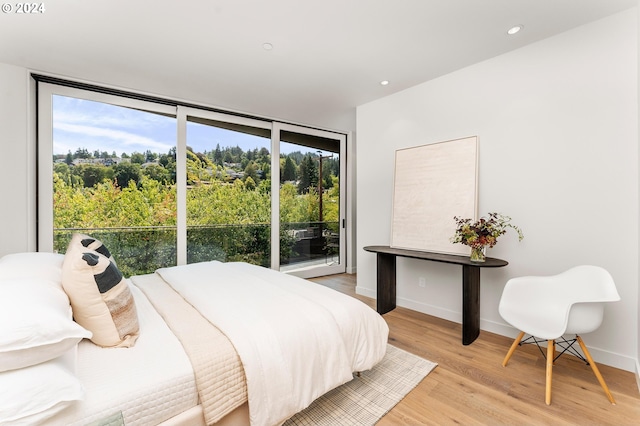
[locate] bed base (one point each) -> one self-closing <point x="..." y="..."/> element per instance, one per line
<point x="195" y="417"/>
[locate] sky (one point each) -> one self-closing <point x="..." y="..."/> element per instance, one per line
<point x="80" y="123"/>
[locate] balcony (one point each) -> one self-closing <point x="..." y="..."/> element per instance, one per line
<point x="141" y="250"/>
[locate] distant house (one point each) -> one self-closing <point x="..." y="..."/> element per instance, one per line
<point x="98" y="161"/>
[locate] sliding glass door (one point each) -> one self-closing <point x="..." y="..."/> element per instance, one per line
<point x="228" y="188"/>
<point x="311" y="203"/>
<point x="166" y="185"/>
<point x="107" y="168"/>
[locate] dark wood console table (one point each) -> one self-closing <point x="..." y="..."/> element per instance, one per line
<point x="386" y="282"/>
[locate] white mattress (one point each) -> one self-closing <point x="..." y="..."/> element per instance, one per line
<point x="146" y="384"/>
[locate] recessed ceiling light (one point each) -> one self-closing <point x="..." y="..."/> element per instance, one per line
<point x="267" y="46"/>
<point x="515" y="29"/>
<point x="384" y="82"/>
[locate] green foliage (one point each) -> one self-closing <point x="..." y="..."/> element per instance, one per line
<point x="251" y="172"/>
<point x="124" y="173"/>
<point x="138" y="158"/>
<point x="158" y="173"/>
<point x="82" y="153"/>
<point x="289" y="171"/>
<point x="220" y="203"/>
<point x="93" y="174"/>
<point x="132" y="208"/>
<point x="308" y="174"/>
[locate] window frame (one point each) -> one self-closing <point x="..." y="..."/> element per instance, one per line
<point x="44" y="191"/>
<point x="46" y="87"/>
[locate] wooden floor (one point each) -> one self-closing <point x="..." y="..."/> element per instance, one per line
<point x="470" y="387"/>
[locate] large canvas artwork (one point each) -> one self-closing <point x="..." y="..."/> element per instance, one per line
<point x="433" y="183"/>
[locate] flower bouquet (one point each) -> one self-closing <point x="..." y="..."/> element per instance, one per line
<point x="482" y="233"/>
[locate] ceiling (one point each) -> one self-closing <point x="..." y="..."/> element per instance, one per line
<point x="327" y="58"/>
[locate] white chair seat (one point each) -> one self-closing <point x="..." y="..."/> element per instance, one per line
<point x="548" y="307"/>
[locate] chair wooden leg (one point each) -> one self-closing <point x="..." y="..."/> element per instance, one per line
<point x="512" y="349"/>
<point x="551" y="350"/>
<point x="594" y="367"/>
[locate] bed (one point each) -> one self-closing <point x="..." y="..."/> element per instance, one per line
<point x="213" y="343"/>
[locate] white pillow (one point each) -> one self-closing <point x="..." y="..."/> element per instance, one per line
<point x="32" y="265"/>
<point x="36" y="324"/>
<point x="33" y="394"/>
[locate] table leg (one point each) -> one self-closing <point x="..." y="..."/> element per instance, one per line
<point x="470" y="303"/>
<point x="386" y="283"/>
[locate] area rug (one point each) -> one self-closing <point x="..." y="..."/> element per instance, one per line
<point x="365" y="399"/>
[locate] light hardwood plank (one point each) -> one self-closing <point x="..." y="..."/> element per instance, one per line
<point x="471" y="387"/>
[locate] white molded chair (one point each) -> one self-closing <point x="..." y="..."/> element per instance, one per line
<point x="549" y="307"/>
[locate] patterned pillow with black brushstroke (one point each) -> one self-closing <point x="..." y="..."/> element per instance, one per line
<point x="96" y="245"/>
<point x="100" y="296"/>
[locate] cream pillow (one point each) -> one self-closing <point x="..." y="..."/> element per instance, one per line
<point x="35" y="323"/>
<point x="100" y="296"/>
<point x="89" y="242"/>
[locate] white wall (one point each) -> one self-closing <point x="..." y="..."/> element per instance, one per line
<point x="638" y="304"/>
<point x="16" y="172"/>
<point x="557" y="123"/>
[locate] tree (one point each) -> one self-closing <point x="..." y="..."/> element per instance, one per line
<point x="157" y="173"/>
<point x="138" y="158"/>
<point x="249" y="183"/>
<point x="288" y="171"/>
<point x="327" y="182"/>
<point x="331" y="202"/>
<point x="63" y="172"/>
<point x="265" y="171"/>
<point x="217" y="155"/>
<point x="150" y="157"/>
<point x="251" y="172"/>
<point x="308" y="176"/>
<point x="125" y="173"/>
<point x="91" y="174"/>
<point x="296" y="156"/>
<point x="81" y="153"/>
<point x="169" y="163"/>
<point x="199" y="167"/>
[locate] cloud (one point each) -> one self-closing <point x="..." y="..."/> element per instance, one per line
<point x="99" y="126"/>
<point x="79" y="123"/>
<point x="109" y="139"/>
<point x="118" y="117"/>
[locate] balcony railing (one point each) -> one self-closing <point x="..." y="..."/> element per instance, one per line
<point x="141" y="250"/>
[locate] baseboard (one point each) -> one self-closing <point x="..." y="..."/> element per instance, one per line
<point x="600" y="356"/>
<point x="364" y="291"/>
<point x="416" y="306"/>
<point x="352" y="270"/>
<point x="432" y="310"/>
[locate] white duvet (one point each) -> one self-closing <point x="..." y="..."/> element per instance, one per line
<point x="296" y="339"/>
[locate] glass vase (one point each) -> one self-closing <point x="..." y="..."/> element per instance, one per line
<point x="478" y="254"/>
